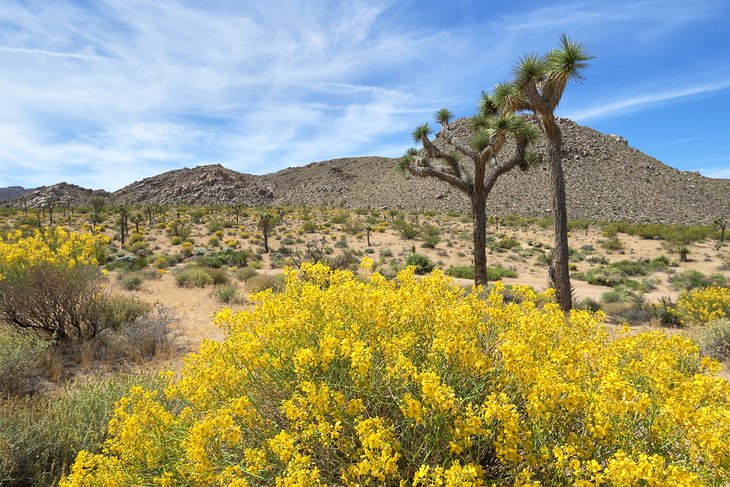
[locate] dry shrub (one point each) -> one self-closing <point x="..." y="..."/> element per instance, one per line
<point x="262" y="282"/>
<point x="146" y="336"/>
<point x="65" y="303"/>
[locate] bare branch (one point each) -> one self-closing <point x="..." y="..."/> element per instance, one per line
<point x="429" y="171"/>
<point x="518" y="159"/>
<point x="458" y="145"/>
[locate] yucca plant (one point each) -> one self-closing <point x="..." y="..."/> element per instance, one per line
<point x="492" y="126"/>
<point x="539" y="82"/>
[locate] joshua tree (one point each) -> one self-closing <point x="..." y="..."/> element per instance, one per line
<point x="95" y="219"/>
<point x="123" y="216"/>
<point x="136" y="218"/>
<point x="721" y="223"/>
<point x="50" y="204"/>
<point x="97" y="203"/>
<point x="266" y="221"/>
<point x="538" y="87"/>
<point x="493" y="125"/>
<point x="238" y="210"/>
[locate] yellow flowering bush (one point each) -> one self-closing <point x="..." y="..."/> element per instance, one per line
<point x="54" y="246"/>
<point x="703" y="305"/>
<point x="336" y="381"/>
<point x="50" y="283"/>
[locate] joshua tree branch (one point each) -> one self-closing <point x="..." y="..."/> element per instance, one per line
<point x="428" y="171"/>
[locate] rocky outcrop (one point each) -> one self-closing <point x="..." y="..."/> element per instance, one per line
<point x="61" y="194"/>
<point x="202" y="185"/>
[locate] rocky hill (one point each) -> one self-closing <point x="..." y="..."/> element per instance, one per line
<point x="60" y="194"/>
<point x="202" y="185"/>
<point x="606" y="179"/>
<point x="11" y="192"/>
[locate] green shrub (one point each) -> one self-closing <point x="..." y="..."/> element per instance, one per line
<point x="193" y="277"/>
<point x="407" y="230"/>
<point x="132" y="282"/>
<point x="612" y="243"/>
<point x="423" y="264"/>
<point x="430" y="241"/>
<point x="118" y="311"/>
<point x="494" y="273"/>
<point x="692" y="279"/>
<point x="245" y="273"/>
<point x="226" y="293"/>
<point x="219" y="276"/>
<point x="507" y="243"/>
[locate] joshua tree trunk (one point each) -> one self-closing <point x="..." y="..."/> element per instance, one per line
<point x="560" y="214"/>
<point x="479" y="235"/>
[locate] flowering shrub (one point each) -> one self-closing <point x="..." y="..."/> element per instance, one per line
<point x="49" y="283"/>
<point x="703" y="305"/>
<point x="53" y="246"/>
<point x="412" y="382"/>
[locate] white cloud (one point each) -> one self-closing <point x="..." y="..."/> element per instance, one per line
<point x="716" y="172"/>
<point x="104" y="94"/>
<point x="645" y="100"/>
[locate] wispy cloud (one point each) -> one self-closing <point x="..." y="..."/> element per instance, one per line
<point x="56" y="54"/>
<point x="671" y="142"/>
<point x="103" y="93"/>
<point x="645" y="100"/>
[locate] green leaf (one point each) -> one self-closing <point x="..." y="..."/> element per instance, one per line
<point x="481" y="122"/>
<point x="444" y="116"/>
<point x="482" y="139"/>
<point x="487" y="106"/>
<point x="508" y="97"/>
<point x="533" y="158"/>
<point x="568" y="61"/>
<point x="530" y="68"/>
<point x="529" y="130"/>
<point x="507" y="123"/>
<point x="420" y="132"/>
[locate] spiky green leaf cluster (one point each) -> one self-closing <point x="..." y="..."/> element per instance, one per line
<point x="443" y="116"/>
<point x="568" y="61"/>
<point x="421" y="131"/>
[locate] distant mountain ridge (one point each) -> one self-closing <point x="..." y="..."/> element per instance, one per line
<point x="606" y="179"/>
<point x="11" y="192"/>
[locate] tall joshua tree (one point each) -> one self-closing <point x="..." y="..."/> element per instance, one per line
<point x="540" y="82"/>
<point x="492" y="127"/>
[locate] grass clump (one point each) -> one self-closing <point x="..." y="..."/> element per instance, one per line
<point x="262" y="282"/>
<point x="692" y="279"/>
<point x="41" y="436"/>
<point x="19" y="370"/>
<point x="193" y="277"/>
<point x="226" y="293"/>
<point x="715" y="339"/>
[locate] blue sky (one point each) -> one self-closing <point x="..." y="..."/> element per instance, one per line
<point x="102" y="93"/>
